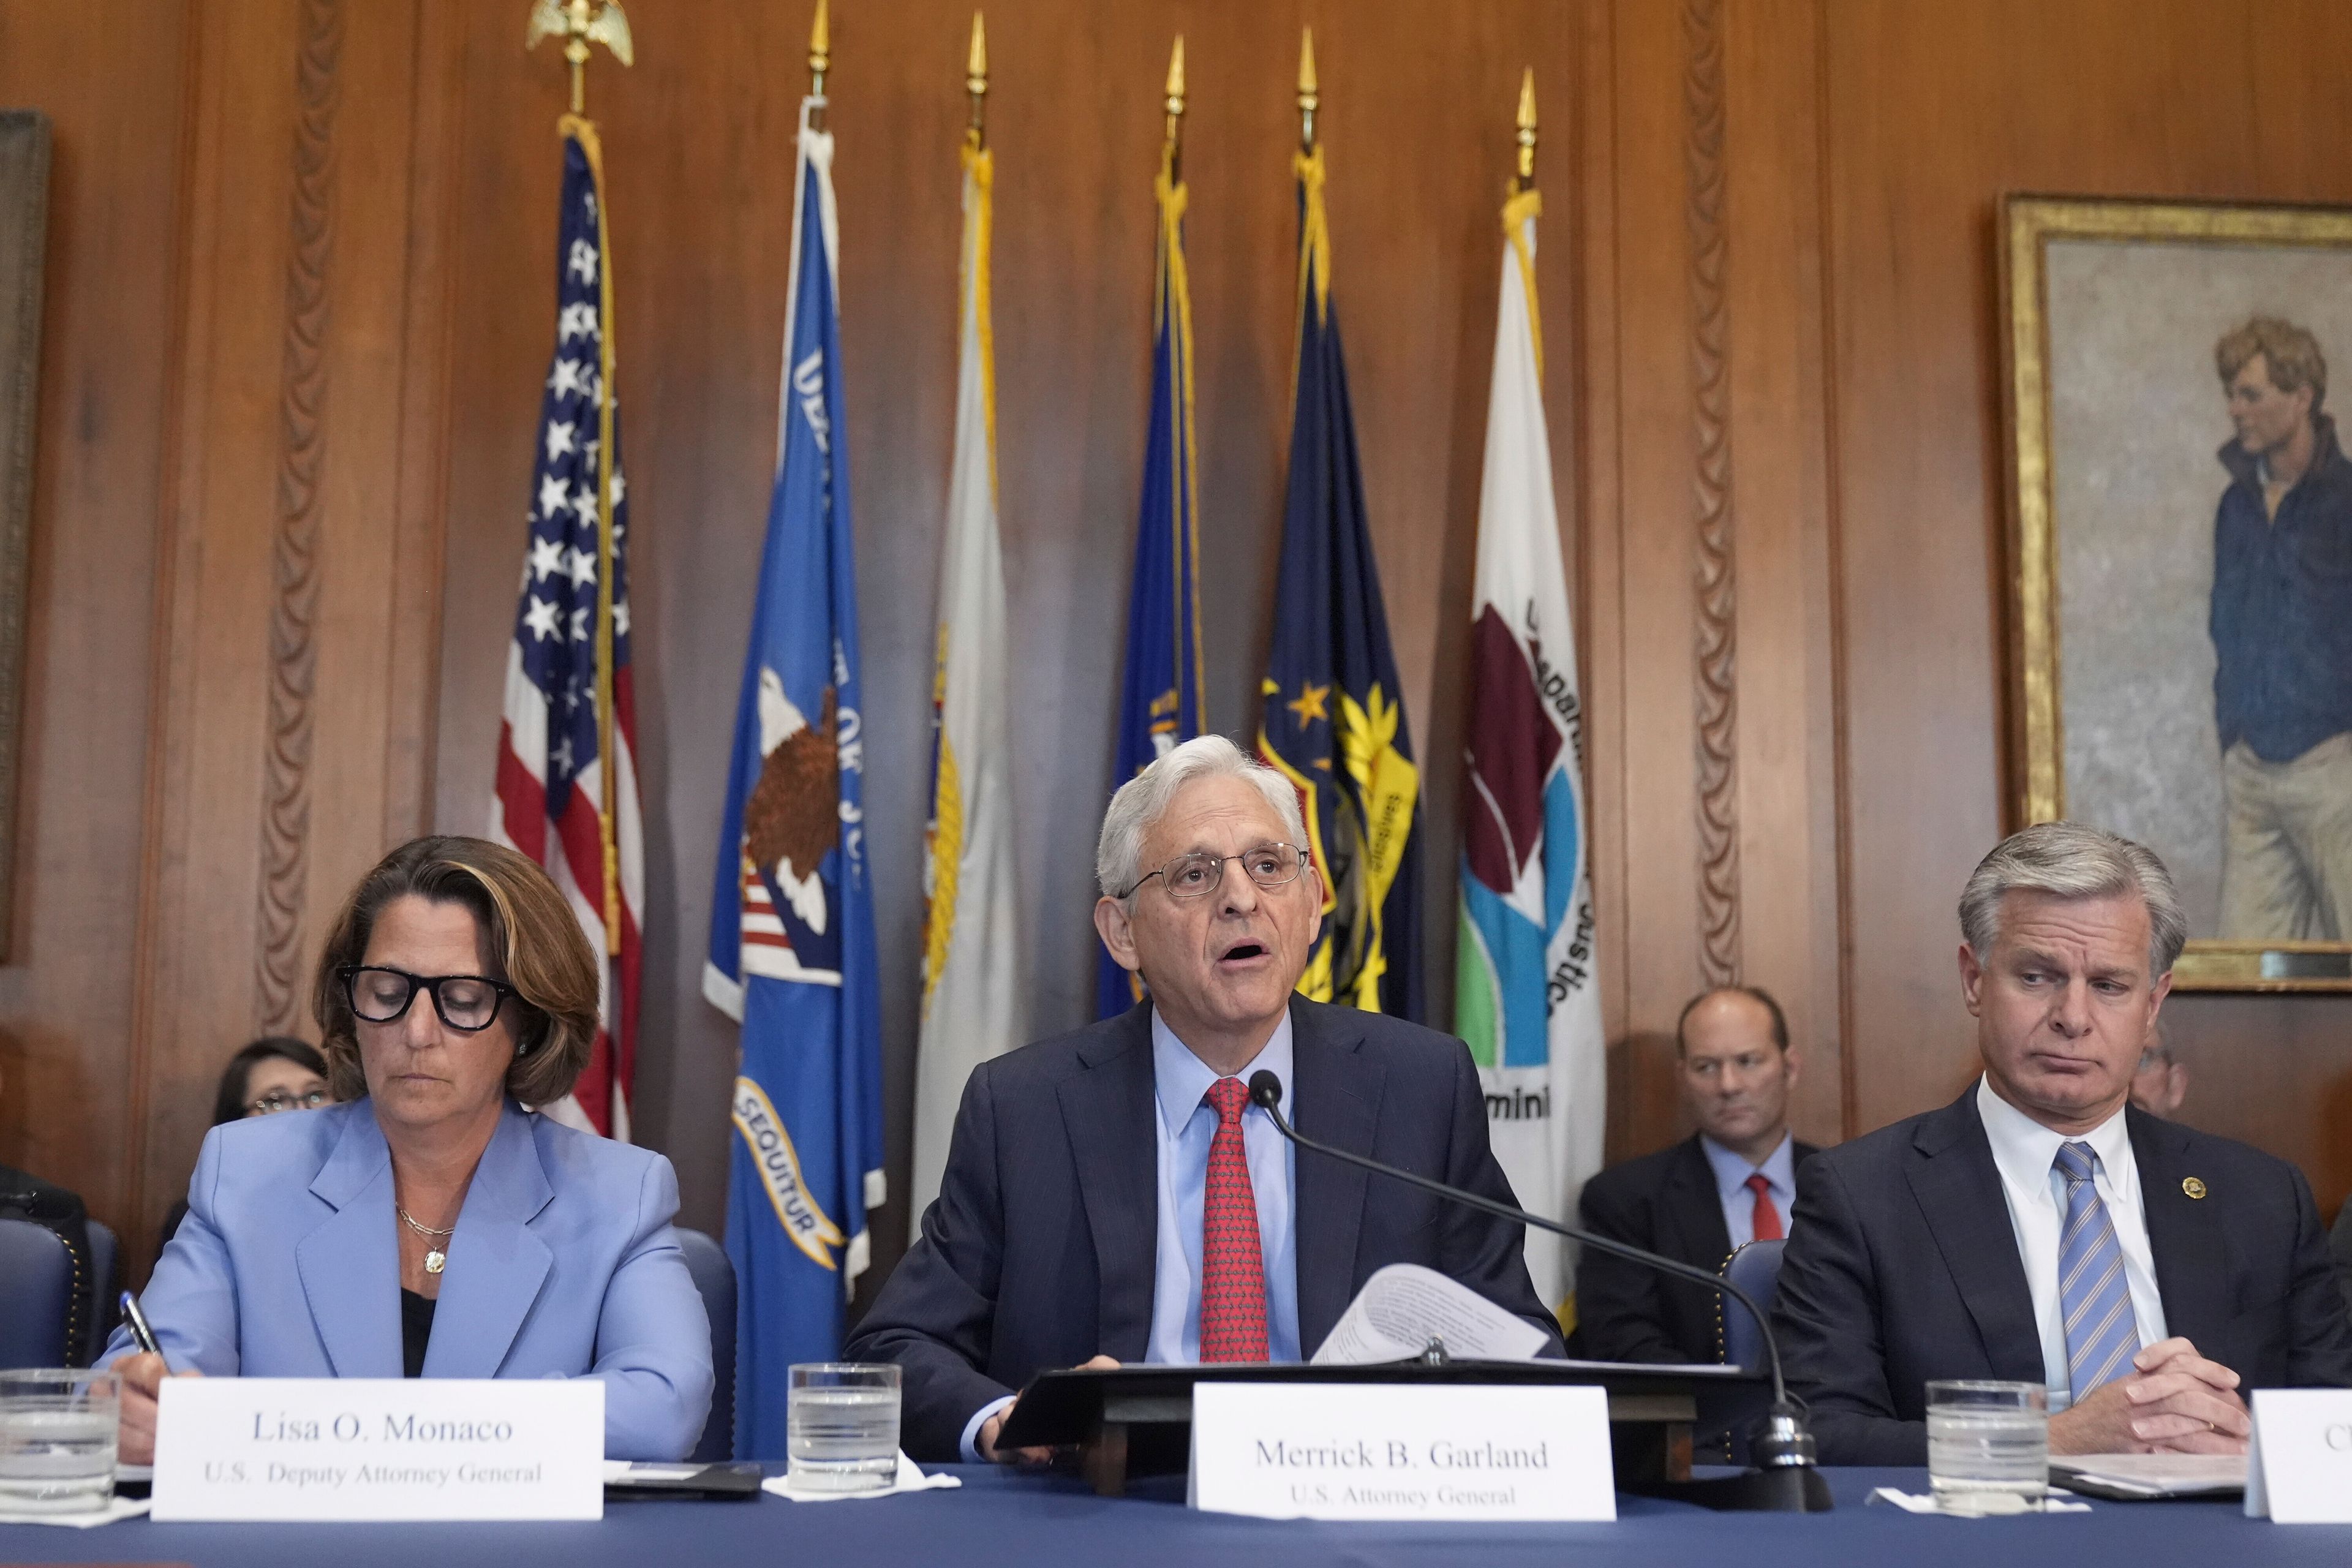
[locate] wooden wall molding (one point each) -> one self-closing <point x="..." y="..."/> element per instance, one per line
<point x="293" y="611"/>
<point x="1716" y="696"/>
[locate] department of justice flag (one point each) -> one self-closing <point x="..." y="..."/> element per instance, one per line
<point x="567" y="782"/>
<point x="1526" y="995"/>
<point x="1160" y="700"/>
<point x="792" y="922"/>
<point x="1333" y="718"/>
<point x="971" y="939"/>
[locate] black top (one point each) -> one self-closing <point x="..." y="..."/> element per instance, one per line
<point x="416" y="1330"/>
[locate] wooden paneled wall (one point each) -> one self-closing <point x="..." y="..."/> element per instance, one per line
<point x="300" y="303"/>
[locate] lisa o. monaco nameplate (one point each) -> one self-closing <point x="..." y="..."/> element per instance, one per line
<point x="1391" y="1452"/>
<point x="2299" y="1464"/>
<point x="379" y="1448"/>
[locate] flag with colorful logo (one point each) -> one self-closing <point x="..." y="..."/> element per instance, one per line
<point x="1333" y="720"/>
<point x="1526" y="996"/>
<point x="567" y="782"/>
<point x="971" y="939"/>
<point x="1160" y="701"/>
<point x="792" y="924"/>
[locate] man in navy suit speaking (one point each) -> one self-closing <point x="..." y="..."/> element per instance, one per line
<point x="1111" y="1196"/>
<point x="2042" y="1230"/>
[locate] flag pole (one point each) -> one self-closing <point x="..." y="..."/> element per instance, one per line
<point x="975" y="83"/>
<point x="820" y="60"/>
<point x="1172" y="152"/>
<point x="1522" y="205"/>
<point x="1307" y="98"/>
<point x="580" y="23"/>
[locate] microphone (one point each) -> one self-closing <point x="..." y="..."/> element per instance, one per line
<point x="1781" y="1441"/>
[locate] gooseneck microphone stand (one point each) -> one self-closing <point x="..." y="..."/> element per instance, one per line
<point x="1784" y="1478"/>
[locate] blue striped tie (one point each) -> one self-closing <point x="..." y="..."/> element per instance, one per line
<point x="2101" y="1336"/>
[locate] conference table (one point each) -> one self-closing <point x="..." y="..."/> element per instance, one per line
<point x="998" y="1517"/>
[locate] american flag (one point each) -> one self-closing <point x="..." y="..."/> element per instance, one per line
<point x="551" y="752"/>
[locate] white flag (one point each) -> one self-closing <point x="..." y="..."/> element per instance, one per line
<point x="1526" y="997"/>
<point x="972" y="960"/>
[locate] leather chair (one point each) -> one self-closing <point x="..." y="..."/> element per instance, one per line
<point x="1755" y="1268"/>
<point x="714" y="1276"/>
<point x="104" y="1249"/>
<point x="36" y="1295"/>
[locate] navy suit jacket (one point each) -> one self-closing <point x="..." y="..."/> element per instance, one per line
<point x="1666" y="1202"/>
<point x="1902" y="1267"/>
<point x="1041" y="1250"/>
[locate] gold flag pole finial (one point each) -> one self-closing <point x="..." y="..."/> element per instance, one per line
<point x="820" y="61"/>
<point x="580" y="23"/>
<point x="1307" y="99"/>
<point x="1175" y="105"/>
<point x="1526" y="175"/>
<point x="975" y="81"/>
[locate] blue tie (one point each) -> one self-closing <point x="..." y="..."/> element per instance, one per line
<point x="2101" y="1336"/>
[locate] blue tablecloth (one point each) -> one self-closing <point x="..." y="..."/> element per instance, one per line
<point x="998" y="1518"/>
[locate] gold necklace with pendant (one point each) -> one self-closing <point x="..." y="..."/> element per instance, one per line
<point x="435" y="1259"/>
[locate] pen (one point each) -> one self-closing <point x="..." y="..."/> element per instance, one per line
<point x="138" y="1329"/>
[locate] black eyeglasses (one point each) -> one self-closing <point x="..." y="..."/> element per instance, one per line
<point x="466" y="1003"/>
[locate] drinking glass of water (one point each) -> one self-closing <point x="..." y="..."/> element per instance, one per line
<point x="57" y="1439"/>
<point x="841" y="1423"/>
<point x="1988" y="1446"/>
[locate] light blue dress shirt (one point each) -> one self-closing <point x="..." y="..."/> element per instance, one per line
<point x="1184" y="1128"/>
<point x="1731" y="1174"/>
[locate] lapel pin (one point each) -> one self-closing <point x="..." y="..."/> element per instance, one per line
<point x="2193" y="1186"/>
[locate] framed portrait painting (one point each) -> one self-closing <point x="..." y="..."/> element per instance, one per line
<point x="2181" y="541"/>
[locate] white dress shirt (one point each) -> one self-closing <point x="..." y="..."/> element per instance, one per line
<point x="2027" y="1155"/>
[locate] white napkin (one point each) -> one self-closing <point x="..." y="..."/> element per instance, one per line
<point x="116" y="1507"/>
<point x="1993" y="1504"/>
<point x="908" y="1480"/>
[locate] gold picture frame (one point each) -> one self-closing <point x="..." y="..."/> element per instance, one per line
<point x="2216" y="249"/>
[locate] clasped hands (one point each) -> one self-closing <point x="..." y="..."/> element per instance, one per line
<point x="2173" y="1401"/>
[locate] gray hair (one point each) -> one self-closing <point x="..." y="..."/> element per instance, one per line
<point x="2073" y="860"/>
<point x="1143" y="799"/>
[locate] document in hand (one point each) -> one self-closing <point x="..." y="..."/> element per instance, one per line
<point x="1404" y="1306"/>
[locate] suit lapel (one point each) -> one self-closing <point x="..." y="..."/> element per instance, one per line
<point x="350" y="1265"/>
<point x="1337" y="1101"/>
<point x="1106" y="1110"/>
<point x="1958" y="1187"/>
<point x="2185" y="1234"/>
<point x="1695" y="1208"/>
<point x="496" y="1265"/>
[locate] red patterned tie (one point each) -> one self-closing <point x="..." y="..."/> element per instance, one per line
<point x="1768" y="1213"/>
<point x="1233" y="1273"/>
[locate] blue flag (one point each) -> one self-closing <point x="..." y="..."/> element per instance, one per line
<point x="1160" y="701"/>
<point x="1333" y="720"/>
<point x="792" y="921"/>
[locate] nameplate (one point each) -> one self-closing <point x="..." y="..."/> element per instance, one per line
<point x="379" y="1448"/>
<point x="2299" y="1464"/>
<point x="1388" y="1451"/>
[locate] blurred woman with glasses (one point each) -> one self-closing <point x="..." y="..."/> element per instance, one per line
<point x="432" y="1224"/>
<point x="275" y="1073"/>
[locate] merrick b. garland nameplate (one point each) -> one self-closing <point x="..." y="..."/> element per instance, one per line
<point x="379" y="1448"/>
<point x="1385" y="1451"/>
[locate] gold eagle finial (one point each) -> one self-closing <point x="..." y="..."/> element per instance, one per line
<point x="580" y="23"/>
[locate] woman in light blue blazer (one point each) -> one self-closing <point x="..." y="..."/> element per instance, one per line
<point x="432" y="1226"/>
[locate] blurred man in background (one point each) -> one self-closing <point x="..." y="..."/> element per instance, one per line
<point x="1730" y="1183"/>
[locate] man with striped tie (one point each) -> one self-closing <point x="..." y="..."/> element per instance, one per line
<point x="2040" y="1228"/>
